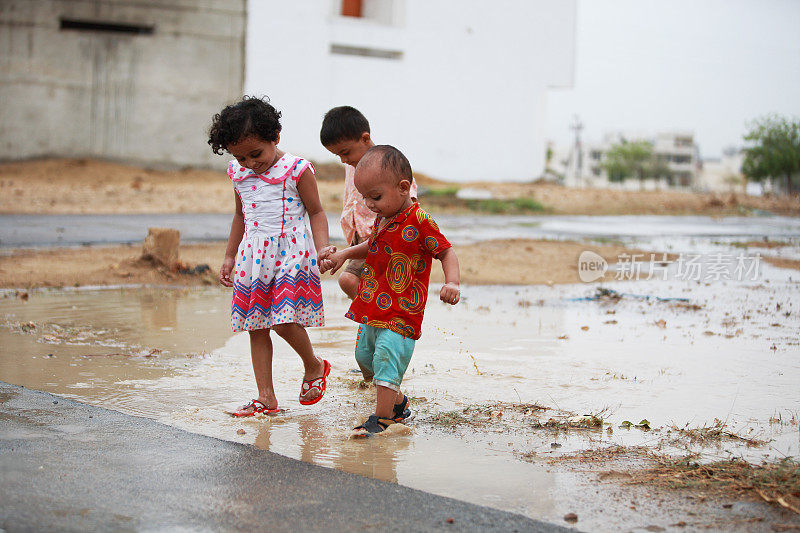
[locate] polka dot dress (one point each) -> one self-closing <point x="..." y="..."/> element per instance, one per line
<point x="276" y="277"/>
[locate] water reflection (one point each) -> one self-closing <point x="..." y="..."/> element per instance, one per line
<point x="90" y="344"/>
<point x="308" y="439"/>
<point x="159" y="313"/>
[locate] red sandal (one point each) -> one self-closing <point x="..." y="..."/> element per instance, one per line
<point x="257" y="407"/>
<point x="318" y="383"/>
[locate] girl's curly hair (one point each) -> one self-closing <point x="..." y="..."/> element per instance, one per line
<point x="251" y="116"/>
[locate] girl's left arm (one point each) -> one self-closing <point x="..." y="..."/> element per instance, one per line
<point x="307" y="188"/>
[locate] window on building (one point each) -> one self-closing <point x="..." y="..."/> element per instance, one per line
<point x="375" y="13"/>
<point x="105" y="27"/>
<point x="352" y="8"/>
<point x="386" y="12"/>
<point x="346" y="50"/>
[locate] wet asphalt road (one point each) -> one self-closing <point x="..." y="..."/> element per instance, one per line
<point x="76" y="230"/>
<point x="69" y="466"/>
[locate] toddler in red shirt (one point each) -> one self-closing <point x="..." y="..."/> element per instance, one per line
<point x="390" y="301"/>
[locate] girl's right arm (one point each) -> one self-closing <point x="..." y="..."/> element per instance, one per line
<point x="237" y="232"/>
<point x="335" y="260"/>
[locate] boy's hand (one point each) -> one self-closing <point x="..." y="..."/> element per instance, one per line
<point x="450" y="293"/>
<point x="332" y="262"/>
<point x="225" y="272"/>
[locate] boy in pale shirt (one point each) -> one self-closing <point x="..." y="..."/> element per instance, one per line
<point x="345" y="133"/>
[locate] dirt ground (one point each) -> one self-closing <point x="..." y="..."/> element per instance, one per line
<point x="559" y="200"/>
<point x="81" y="186"/>
<point x="497" y="262"/>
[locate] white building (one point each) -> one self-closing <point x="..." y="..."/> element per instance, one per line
<point x="679" y="152"/>
<point x="459" y="87"/>
<point x="583" y="167"/>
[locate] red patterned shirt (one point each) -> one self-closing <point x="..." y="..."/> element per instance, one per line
<point x="394" y="284"/>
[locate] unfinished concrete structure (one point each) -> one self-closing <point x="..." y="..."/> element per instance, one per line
<point x="132" y="80"/>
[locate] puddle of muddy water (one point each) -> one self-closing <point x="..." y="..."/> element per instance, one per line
<point x="735" y="359"/>
<point x="87" y="344"/>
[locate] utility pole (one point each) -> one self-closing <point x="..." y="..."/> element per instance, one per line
<point x="577" y="126"/>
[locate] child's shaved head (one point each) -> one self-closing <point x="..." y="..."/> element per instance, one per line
<point x="388" y="159"/>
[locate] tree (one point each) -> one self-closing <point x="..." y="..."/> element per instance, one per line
<point x="773" y="151"/>
<point x="633" y="159"/>
<point x="548" y="156"/>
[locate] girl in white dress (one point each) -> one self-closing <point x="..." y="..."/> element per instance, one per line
<point x="271" y="260"/>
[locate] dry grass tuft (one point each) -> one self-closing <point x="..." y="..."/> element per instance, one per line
<point x="777" y="482"/>
<point x="714" y="433"/>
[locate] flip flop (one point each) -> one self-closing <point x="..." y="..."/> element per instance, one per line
<point x="258" y="408"/>
<point x="318" y="383"/>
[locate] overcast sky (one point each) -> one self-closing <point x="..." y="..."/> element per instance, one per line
<point x="707" y="66"/>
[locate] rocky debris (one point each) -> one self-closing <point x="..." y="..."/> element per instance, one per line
<point x="196" y="270"/>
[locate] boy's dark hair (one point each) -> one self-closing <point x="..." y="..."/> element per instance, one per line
<point x="391" y="159"/>
<point x="249" y="117"/>
<point x="343" y="123"/>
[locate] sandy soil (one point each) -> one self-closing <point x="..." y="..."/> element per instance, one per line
<point x="514" y="262"/>
<point x="66" y="186"/>
<point x="80" y="186"/>
<point x="568" y="201"/>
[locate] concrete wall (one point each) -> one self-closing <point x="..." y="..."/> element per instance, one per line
<point x="132" y="97"/>
<point x="461" y="88"/>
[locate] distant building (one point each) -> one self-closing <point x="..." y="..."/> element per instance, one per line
<point x="584" y="167"/>
<point x="723" y="174"/>
<point x="133" y="80"/>
<point x="460" y="87"/>
<point x="679" y="152"/>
